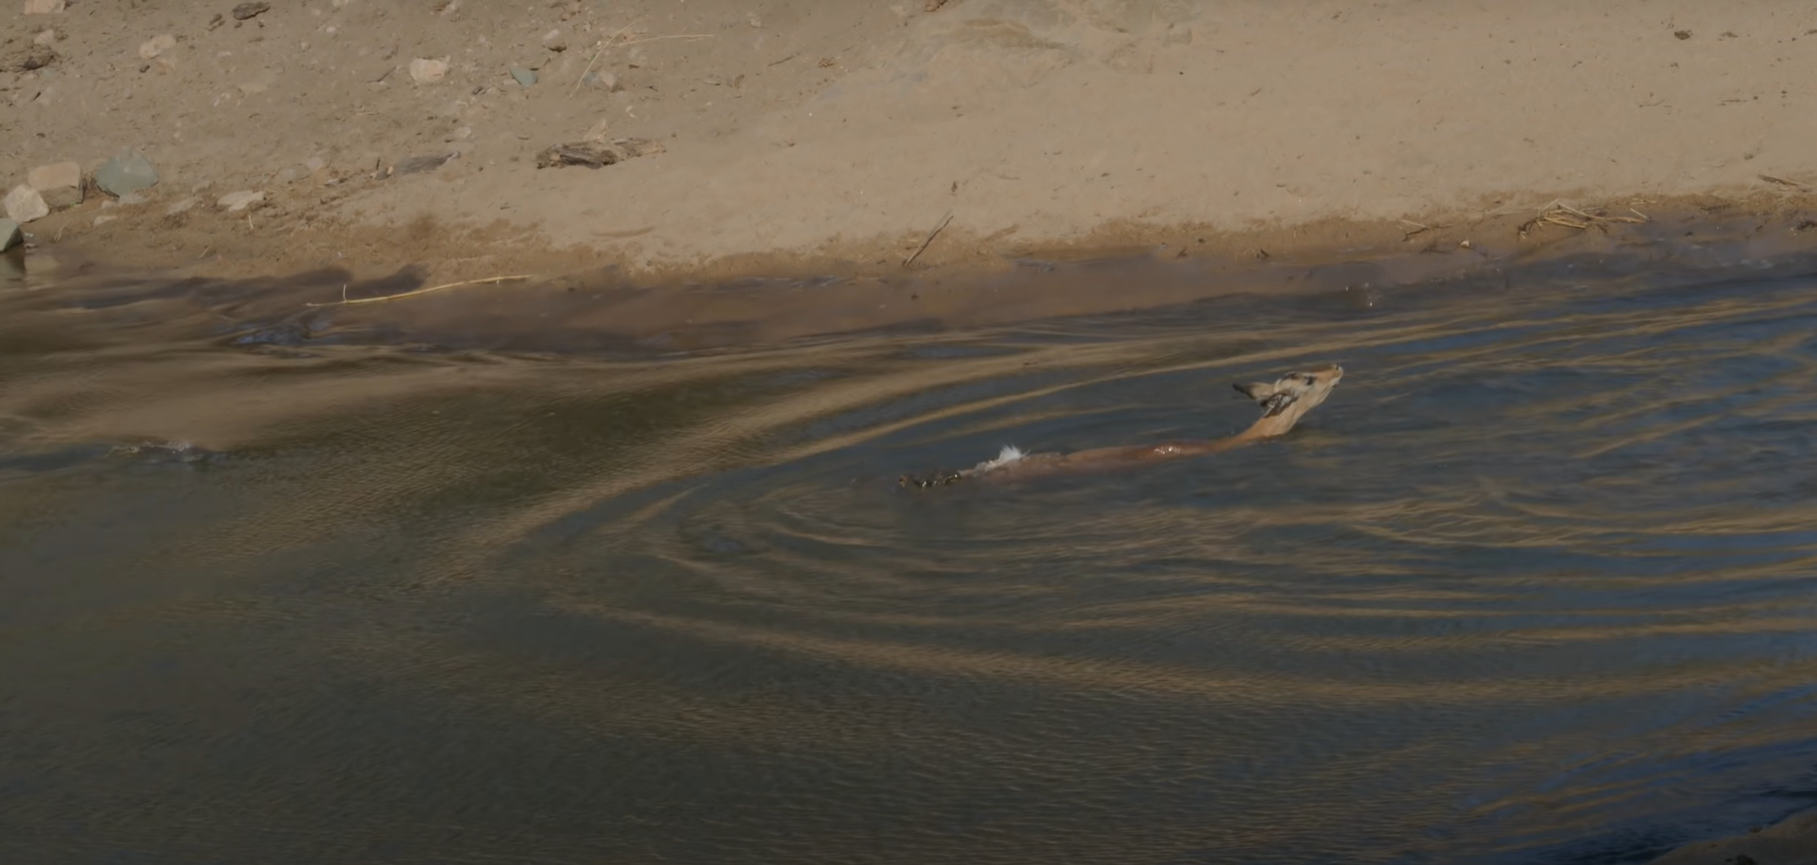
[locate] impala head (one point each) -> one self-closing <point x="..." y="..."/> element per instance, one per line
<point x="1292" y="395"/>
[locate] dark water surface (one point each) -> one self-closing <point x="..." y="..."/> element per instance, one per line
<point x="1537" y="584"/>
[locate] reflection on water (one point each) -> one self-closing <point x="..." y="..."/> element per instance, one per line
<point x="1538" y="584"/>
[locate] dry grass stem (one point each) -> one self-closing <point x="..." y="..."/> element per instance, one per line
<point x="359" y="300"/>
<point x="930" y="239"/>
<point x="1565" y="216"/>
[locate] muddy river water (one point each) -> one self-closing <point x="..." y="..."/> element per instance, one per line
<point x="1537" y="584"/>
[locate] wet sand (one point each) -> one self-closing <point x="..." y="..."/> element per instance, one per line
<point x="1791" y="842"/>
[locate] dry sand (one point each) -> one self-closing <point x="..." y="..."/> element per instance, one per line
<point x="803" y="135"/>
<point x="799" y="135"/>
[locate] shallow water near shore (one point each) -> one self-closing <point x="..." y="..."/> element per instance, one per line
<point x="1537" y="584"/>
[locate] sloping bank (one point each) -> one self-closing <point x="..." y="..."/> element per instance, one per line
<point x="1043" y="125"/>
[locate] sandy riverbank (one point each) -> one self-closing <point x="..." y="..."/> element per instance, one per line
<point x="803" y="136"/>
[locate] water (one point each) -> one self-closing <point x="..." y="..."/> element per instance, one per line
<point x="1537" y="584"/>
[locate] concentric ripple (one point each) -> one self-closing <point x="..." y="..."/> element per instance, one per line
<point x="1538" y="584"/>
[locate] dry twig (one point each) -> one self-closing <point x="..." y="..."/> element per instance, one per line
<point x="358" y="300"/>
<point x="930" y="239"/>
<point x="1565" y="216"/>
<point x="1784" y="182"/>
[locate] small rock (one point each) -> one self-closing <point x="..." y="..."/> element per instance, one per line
<point x="59" y="182"/>
<point x="315" y="164"/>
<point x="157" y="45"/>
<point x="181" y="206"/>
<point x="525" y="77"/>
<point x="290" y="175"/>
<point x="598" y="131"/>
<point x="38" y="57"/>
<point x="234" y="202"/>
<point x="425" y="71"/>
<point x="555" y="41"/>
<point x="46" y="37"/>
<point x="24" y="204"/>
<point x="419" y="164"/>
<point x="128" y="172"/>
<point x="104" y="219"/>
<point x="606" y="81"/>
<point x="43" y="7"/>
<point x="11" y="234"/>
<point x="248" y="11"/>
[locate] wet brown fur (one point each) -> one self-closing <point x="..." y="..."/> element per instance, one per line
<point x="1283" y="403"/>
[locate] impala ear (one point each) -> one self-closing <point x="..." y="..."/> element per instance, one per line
<point x="1258" y="391"/>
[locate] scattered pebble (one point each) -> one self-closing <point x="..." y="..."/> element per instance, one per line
<point x="104" y="219"/>
<point x="24" y="204"/>
<point x="157" y="45"/>
<point x="248" y="11"/>
<point x="128" y="172"/>
<point x="555" y="41"/>
<point x="418" y="164"/>
<point x="604" y="80"/>
<point x="596" y="154"/>
<point x="46" y="37"/>
<point x="234" y="202"/>
<point x="59" y="182"/>
<point x="315" y="163"/>
<point x="181" y="206"/>
<point x="425" y="71"/>
<point x="38" y="57"/>
<point x="11" y="234"/>
<point x="43" y="7"/>
<point x="525" y="77"/>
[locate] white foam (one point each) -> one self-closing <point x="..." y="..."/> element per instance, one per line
<point x="1009" y="454"/>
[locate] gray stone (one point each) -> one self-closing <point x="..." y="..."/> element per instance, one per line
<point x="315" y="163"/>
<point x="24" y="204"/>
<point x="526" y="77"/>
<point x="43" y="7"/>
<point x="180" y="206"/>
<point x="290" y="175"/>
<point x="11" y="234"/>
<point x="128" y="172"/>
